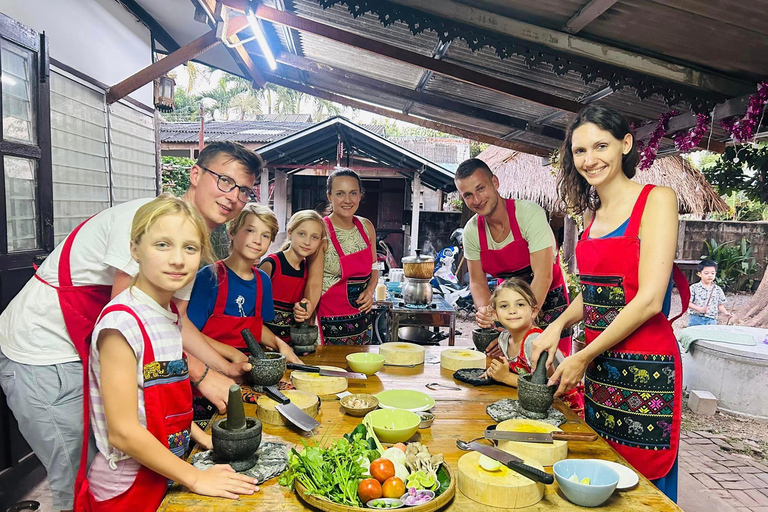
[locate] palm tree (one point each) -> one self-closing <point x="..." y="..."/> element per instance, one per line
<point x="288" y="100"/>
<point x="247" y="103"/>
<point x="323" y="109"/>
<point x="227" y="88"/>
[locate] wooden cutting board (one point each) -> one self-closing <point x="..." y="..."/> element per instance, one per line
<point x="460" y="358"/>
<point x="543" y="453"/>
<point x="402" y="354"/>
<point x="267" y="408"/>
<point x="316" y="384"/>
<point x="503" y="488"/>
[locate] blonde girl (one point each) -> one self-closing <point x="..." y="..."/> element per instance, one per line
<point x="139" y="398"/>
<point x="288" y="270"/>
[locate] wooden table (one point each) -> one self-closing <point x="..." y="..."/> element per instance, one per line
<point x="458" y="415"/>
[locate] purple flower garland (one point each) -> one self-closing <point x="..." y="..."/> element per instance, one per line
<point x="743" y="128"/>
<point x="686" y="141"/>
<point x="648" y="152"/>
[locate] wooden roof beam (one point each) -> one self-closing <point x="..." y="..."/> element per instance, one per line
<point x="415" y="59"/>
<point x="570" y="44"/>
<point x="368" y="107"/>
<point x="184" y="54"/>
<point x="587" y="15"/>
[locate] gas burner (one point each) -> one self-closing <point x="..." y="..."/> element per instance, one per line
<point x="416" y="306"/>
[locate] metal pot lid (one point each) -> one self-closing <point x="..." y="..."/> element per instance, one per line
<point x="419" y="258"/>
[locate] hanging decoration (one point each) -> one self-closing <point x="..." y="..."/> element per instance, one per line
<point x="648" y="152"/>
<point x="686" y="141"/>
<point x="743" y="128"/>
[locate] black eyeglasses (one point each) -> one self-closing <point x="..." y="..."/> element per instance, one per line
<point x="227" y="184"/>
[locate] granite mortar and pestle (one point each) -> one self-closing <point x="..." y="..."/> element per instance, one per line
<point x="304" y="336"/>
<point x="236" y="437"/>
<point x="266" y="368"/>
<point x="533" y="395"/>
<point x="484" y="337"/>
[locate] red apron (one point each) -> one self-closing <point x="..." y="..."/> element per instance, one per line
<point x="633" y="391"/>
<point x="341" y="322"/>
<point x="80" y="305"/>
<point x="226" y="328"/>
<point x="514" y="260"/>
<point x="168" y="407"/>
<point x="287" y="290"/>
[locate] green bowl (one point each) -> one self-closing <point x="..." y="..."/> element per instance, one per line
<point x="393" y="425"/>
<point x="365" y="362"/>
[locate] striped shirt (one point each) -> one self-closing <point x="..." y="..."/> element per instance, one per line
<point x="112" y="471"/>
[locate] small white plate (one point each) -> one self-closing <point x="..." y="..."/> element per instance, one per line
<point x="627" y="477"/>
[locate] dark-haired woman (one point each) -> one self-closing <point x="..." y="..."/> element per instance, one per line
<point x="342" y="274"/>
<point x="625" y="258"/>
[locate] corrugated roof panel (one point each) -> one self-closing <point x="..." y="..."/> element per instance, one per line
<point x="352" y="59"/>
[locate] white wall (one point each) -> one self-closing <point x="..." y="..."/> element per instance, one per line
<point x="99" y="38"/>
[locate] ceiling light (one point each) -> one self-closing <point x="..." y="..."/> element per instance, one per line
<point x="261" y="39"/>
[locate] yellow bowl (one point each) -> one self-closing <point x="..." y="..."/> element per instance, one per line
<point x="393" y="425"/>
<point x="365" y="362"/>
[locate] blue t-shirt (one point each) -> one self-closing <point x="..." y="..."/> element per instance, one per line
<point x="241" y="296"/>
<point x="667" y="304"/>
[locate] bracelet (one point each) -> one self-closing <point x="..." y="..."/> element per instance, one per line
<point x="197" y="384"/>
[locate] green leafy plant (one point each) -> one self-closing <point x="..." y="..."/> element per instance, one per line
<point x="735" y="263"/>
<point x="176" y="174"/>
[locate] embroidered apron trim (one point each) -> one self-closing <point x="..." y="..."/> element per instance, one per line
<point x="179" y="442"/>
<point x="347" y="330"/>
<point x="169" y="371"/>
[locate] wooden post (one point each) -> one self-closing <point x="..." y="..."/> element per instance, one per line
<point x="415" y="200"/>
<point x="570" y="236"/>
<point x="264" y="185"/>
<point x="280" y="198"/>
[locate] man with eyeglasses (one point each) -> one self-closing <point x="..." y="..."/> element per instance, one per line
<point x="45" y="330"/>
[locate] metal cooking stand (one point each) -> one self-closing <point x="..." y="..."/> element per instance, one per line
<point x="438" y="314"/>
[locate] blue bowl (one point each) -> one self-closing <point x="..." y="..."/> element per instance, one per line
<point x="603" y="481"/>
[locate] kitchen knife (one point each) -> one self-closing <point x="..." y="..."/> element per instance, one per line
<point x="289" y="411"/>
<point x="538" y="437"/>
<point x="514" y="463"/>
<point x="324" y="372"/>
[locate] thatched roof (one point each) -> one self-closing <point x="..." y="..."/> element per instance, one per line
<point x="524" y="176"/>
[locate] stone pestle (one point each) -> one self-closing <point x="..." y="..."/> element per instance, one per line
<point x="540" y="374"/>
<point x="235" y="409"/>
<point x="253" y="345"/>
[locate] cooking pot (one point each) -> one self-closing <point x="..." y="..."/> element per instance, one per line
<point x="419" y="266"/>
<point x="417" y="291"/>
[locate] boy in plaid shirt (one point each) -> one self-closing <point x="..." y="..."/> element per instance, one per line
<point x="707" y="298"/>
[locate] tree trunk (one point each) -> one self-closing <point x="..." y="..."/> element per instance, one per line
<point x="755" y="313"/>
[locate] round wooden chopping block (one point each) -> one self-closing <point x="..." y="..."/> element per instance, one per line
<point x="503" y="488"/>
<point x="544" y="453"/>
<point x="402" y="354"/>
<point x="461" y="358"/>
<point x="318" y="385"/>
<point x="266" y="408"/>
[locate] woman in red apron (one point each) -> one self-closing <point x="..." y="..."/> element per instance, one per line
<point x="514" y="260"/>
<point x="288" y="268"/>
<point x="167" y="239"/>
<point x="344" y="268"/>
<point x="631" y="361"/>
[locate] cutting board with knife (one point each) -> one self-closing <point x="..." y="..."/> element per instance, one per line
<point x="540" y="441"/>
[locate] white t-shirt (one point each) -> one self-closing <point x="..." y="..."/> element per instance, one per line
<point x="112" y="472"/>
<point x="534" y="227"/>
<point x="32" y="329"/>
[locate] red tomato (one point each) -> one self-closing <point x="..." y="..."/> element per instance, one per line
<point x="381" y="469"/>
<point x="393" y="488"/>
<point x="369" y="489"/>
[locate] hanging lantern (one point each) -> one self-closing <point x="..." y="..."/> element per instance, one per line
<point x="164" y="93"/>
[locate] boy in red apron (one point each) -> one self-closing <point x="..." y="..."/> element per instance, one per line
<point x="142" y="436"/>
<point x="631" y="360"/>
<point x="232" y="295"/>
<point x="530" y="256"/>
<point x="288" y="268"/>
